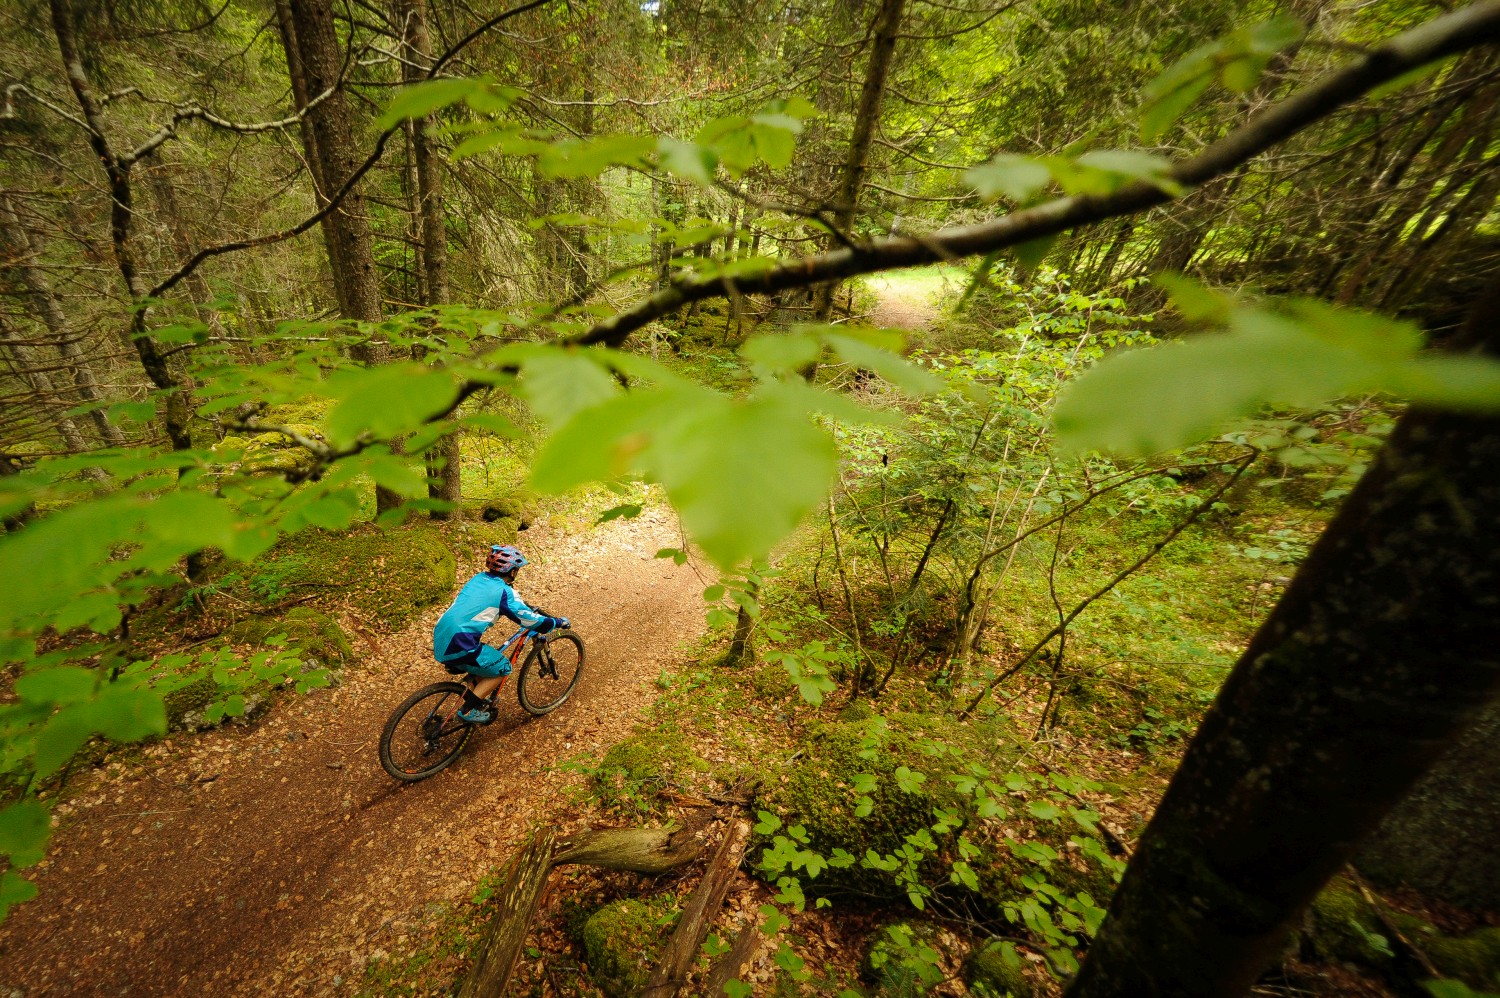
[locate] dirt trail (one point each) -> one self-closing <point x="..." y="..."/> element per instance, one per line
<point x="279" y="858"/>
<point x="901" y="305"/>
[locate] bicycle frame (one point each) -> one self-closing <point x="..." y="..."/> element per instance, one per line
<point x="519" y="639"/>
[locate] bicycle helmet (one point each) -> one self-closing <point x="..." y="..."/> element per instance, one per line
<point x="503" y="559"/>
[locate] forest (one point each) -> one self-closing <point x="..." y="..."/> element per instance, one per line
<point x="1021" y="476"/>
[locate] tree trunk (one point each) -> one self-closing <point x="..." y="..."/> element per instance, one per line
<point x="640" y="850"/>
<point x="159" y="180"/>
<point x="38" y="376"/>
<point x="356" y="282"/>
<point x="444" y="459"/>
<point x="650" y="851"/>
<point x="1382" y="652"/>
<point x="502" y="944"/>
<point x="852" y="180"/>
<point x="314" y="53"/>
<point x="177" y="409"/>
<point x="19" y="246"/>
<point x="681" y="951"/>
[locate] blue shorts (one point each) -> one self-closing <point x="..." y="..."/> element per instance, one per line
<point x="469" y="663"/>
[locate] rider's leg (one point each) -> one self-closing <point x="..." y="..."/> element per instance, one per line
<point x="484" y="687"/>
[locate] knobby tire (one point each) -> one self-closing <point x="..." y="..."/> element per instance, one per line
<point x="436" y="747"/>
<point x="550" y="673"/>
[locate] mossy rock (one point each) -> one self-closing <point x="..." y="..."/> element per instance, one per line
<point x="183" y="704"/>
<point x="383" y="575"/>
<point x="997" y="972"/>
<point x="642" y="764"/>
<point x="318" y="638"/>
<point x="278" y="452"/>
<point x="621" y="940"/>
<point x="508" y="508"/>
<point x="1342" y="926"/>
<point x="818" y="791"/>
<point x="1473" y="958"/>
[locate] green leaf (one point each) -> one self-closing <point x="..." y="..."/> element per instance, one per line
<point x="782" y="352"/>
<point x="62" y="737"/>
<point x="775" y="140"/>
<point x="1155" y="399"/>
<point x="687" y="160"/>
<point x="713" y="594"/>
<point x="125" y="714"/>
<point x="65" y="685"/>
<point x="14" y="889"/>
<point x="909" y="781"/>
<point x="396" y="473"/>
<point x="738" y="989"/>
<point x="25" y="827"/>
<point x="1019" y="178"/>
<point x="774" y="920"/>
<point x="592" y="156"/>
<point x="1044" y="810"/>
<point x="1467" y="384"/>
<point x="385" y="401"/>
<point x="1176" y="88"/>
<point x="742" y="475"/>
<point x="559" y="383"/>
<point x="1135" y="165"/>
<point x="418" y="100"/>
<point x="1033" y="252"/>
<point x="768" y="823"/>
<point x="1196" y="301"/>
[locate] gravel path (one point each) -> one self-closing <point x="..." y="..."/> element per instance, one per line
<point x="279" y="858"/>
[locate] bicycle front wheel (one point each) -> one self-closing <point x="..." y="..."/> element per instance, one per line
<point x="550" y="673"/>
<point x="424" y="734"/>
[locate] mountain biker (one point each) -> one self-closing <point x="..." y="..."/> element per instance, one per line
<point x="484" y="599"/>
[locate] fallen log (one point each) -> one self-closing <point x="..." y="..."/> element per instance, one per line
<point x="639" y="850"/>
<point x="682" y="949"/>
<point x="729" y="966"/>
<point x="524" y="882"/>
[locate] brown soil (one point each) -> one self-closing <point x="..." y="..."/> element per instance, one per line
<point x="897" y="308"/>
<point x="278" y="858"/>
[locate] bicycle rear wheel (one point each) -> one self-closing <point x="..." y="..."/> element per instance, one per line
<point x="423" y="734"/>
<point x="550" y="673"/>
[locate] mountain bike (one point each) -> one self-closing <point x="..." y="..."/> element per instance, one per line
<point x="424" y="734"/>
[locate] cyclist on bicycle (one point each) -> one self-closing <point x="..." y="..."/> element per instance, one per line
<point x="484" y="599"/>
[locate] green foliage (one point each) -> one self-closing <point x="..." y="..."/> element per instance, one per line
<point x="1237" y="60"/>
<point x="1292" y="353"/>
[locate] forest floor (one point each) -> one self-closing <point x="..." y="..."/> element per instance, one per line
<point x="279" y="858"/>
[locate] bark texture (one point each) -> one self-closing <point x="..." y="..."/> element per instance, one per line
<point x="356" y="283"/>
<point x="681" y="951"/>
<point x="640" y="850"/>
<point x="20" y="254"/>
<point x="524" y="882"/>
<point x="1441" y="839"/>
<point x="1384" y="649"/>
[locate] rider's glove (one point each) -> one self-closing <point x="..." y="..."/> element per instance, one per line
<point x="558" y="623"/>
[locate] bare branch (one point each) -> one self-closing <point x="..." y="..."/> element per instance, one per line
<point x="194" y="112"/>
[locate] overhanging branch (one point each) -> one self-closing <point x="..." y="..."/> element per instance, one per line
<point x="1473" y="26"/>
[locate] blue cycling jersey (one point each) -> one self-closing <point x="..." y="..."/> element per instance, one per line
<point x="484" y="599"/>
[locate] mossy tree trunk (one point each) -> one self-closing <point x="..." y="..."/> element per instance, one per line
<point x="1383" y="651"/>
